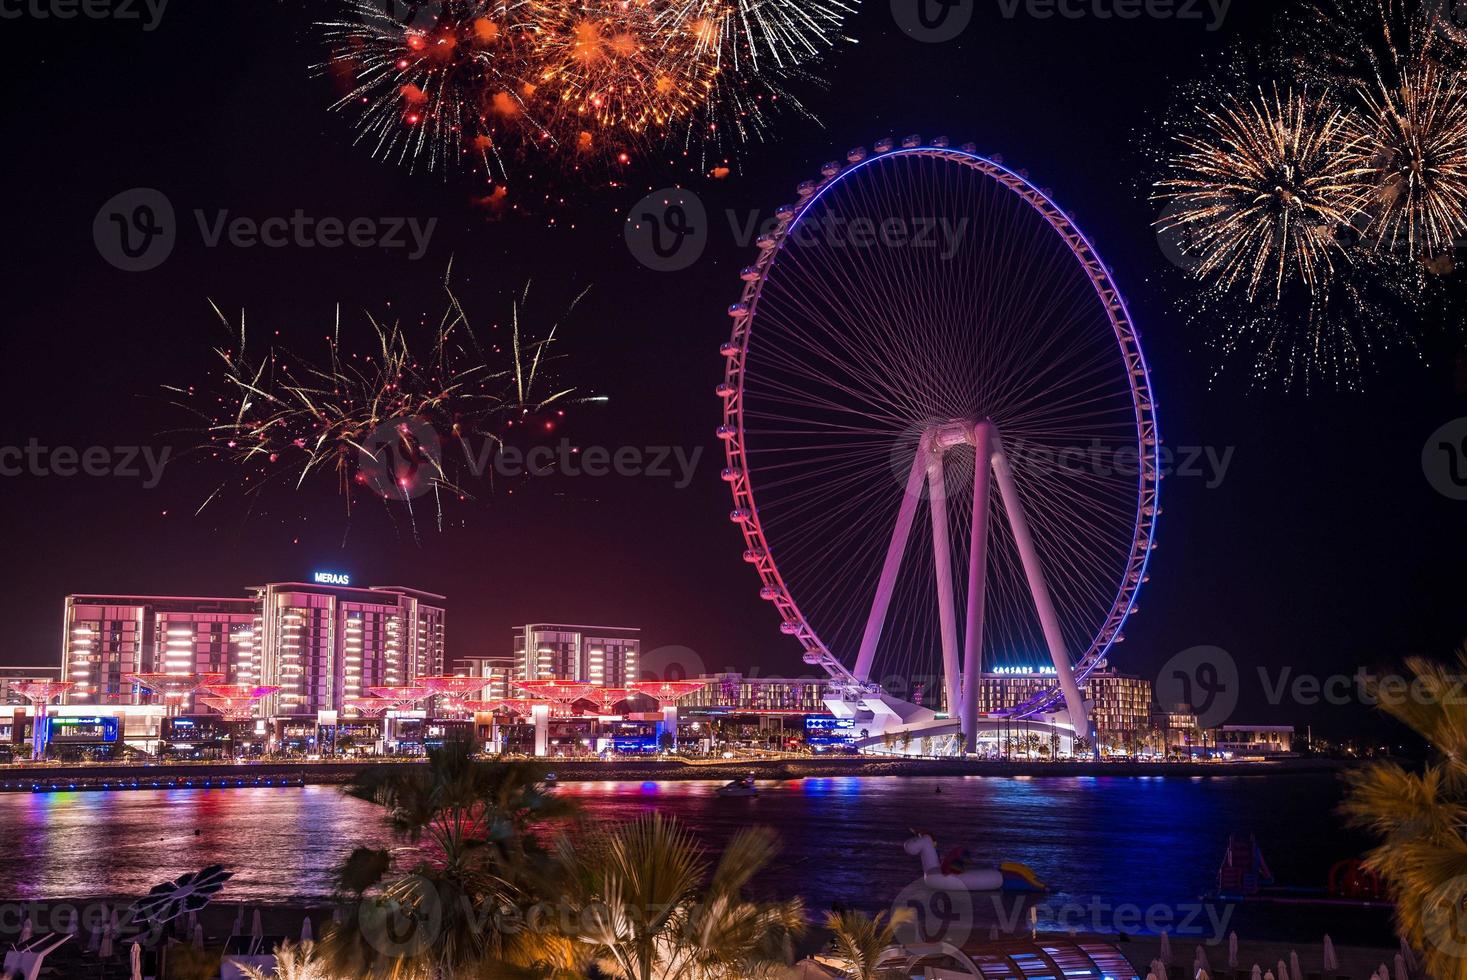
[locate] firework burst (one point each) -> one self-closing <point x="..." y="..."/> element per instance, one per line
<point x="1400" y="64"/>
<point x="480" y="82"/>
<point x="436" y="89"/>
<point x="1262" y="187"/>
<point x="377" y="421"/>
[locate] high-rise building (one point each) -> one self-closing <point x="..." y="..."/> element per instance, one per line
<point x="108" y="638"/>
<point x="602" y="655"/>
<point x="319" y="642"/>
<point x="498" y="674"/>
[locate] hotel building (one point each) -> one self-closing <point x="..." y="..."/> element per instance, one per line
<point x="319" y="643"/>
<point x="760" y="695"/>
<point x="496" y="671"/>
<point x="601" y="655"/>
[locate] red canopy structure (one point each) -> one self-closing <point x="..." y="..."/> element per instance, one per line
<point x="558" y="692"/>
<point x="665" y="693"/>
<point x="449" y="690"/>
<point x="366" y="706"/>
<point x="40" y="693"/>
<point x="235" y="701"/>
<point x="173" y="689"/>
<point x="401" y="698"/>
<point x="607" y="698"/>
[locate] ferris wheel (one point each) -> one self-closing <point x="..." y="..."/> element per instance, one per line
<point x="940" y="438"/>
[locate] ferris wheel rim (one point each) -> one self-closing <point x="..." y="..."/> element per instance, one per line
<point x="732" y="432"/>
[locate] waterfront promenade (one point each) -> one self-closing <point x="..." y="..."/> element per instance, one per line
<point x="30" y="777"/>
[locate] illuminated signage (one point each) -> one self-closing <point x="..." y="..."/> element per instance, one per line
<point x="74" y="728"/>
<point x="331" y="578"/>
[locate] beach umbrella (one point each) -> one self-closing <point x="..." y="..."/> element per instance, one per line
<point x="238" y="922"/>
<point x="1401" y="973"/>
<point x="26" y="930"/>
<point x="1159" y="968"/>
<point x="1283" y="971"/>
<point x="1257" y="973"/>
<point x="306" y="930"/>
<point x="198" y="936"/>
<point x="1199" y="961"/>
<point x="105" y="950"/>
<point x="135" y="957"/>
<point x="1294" y="970"/>
<point x="1152" y="976"/>
<point x="94" y="938"/>
<point x="1331" y="962"/>
<point x="1203" y="975"/>
<point x="256" y="929"/>
<point x="1268" y="976"/>
<point x="1166" y="948"/>
<point x="1409" y="956"/>
<point x="1383" y="971"/>
<point x="114" y="923"/>
<point x="1232" y="951"/>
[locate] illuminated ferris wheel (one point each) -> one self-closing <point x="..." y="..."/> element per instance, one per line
<point x="940" y="438"/>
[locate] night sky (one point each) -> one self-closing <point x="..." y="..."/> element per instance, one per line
<point x="1324" y="548"/>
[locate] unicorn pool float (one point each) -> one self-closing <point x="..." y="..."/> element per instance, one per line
<point x="952" y="874"/>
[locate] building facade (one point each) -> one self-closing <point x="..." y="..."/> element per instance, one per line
<point x="760" y="695"/>
<point x="603" y="655"/>
<point x="319" y="643"/>
<point x="1120" y="703"/>
<point x="498" y="674"/>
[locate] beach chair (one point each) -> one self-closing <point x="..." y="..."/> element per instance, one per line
<point x="24" y="961"/>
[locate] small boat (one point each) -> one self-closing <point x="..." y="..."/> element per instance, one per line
<point x="952" y="874"/>
<point x="743" y="786"/>
<point x="550" y="779"/>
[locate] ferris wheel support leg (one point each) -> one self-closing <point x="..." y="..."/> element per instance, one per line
<point x="942" y="558"/>
<point x="977" y="582"/>
<point x="887" y="583"/>
<point x="1039" y="589"/>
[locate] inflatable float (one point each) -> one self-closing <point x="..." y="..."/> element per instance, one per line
<point x="951" y="874"/>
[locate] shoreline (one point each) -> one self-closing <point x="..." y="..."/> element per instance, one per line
<point x="121" y="776"/>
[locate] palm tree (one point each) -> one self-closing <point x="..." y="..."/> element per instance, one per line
<point x="859" y="941"/>
<point x="293" y="962"/>
<point x="475" y="822"/>
<point x="1420" y="817"/>
<point x="645" y="906"/>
